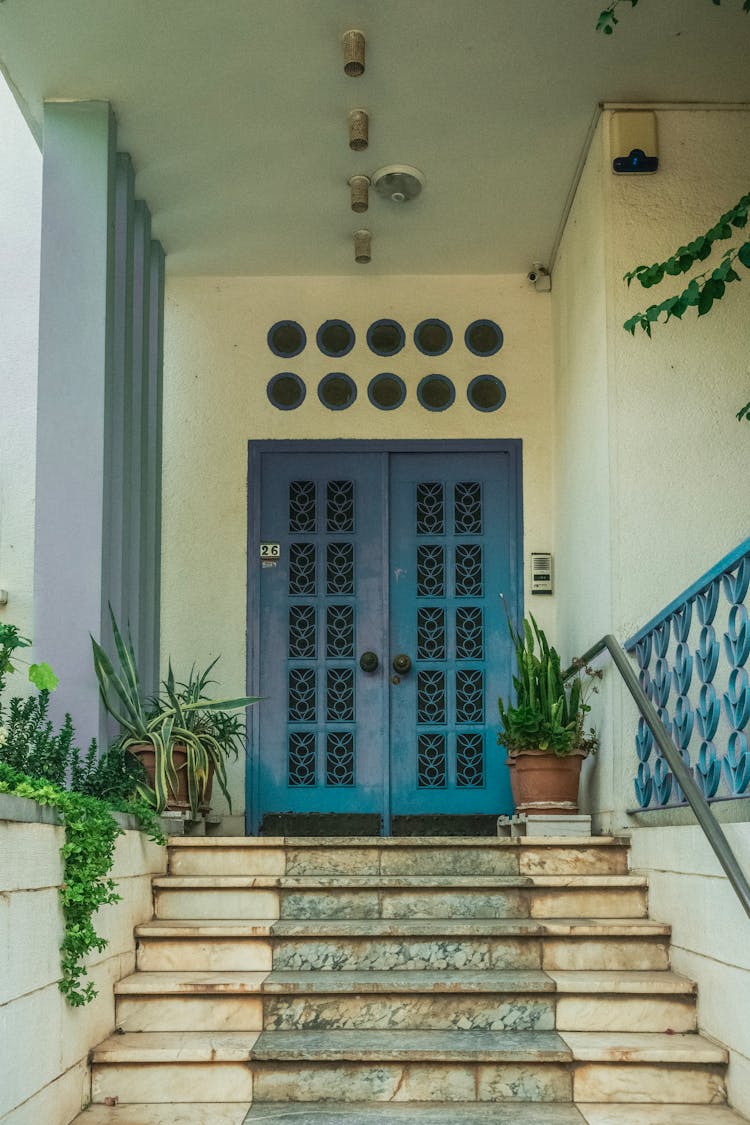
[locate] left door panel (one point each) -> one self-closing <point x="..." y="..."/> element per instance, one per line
<point x="321" y="577"/>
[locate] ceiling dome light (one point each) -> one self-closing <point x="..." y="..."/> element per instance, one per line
<point x="398" y="182"/>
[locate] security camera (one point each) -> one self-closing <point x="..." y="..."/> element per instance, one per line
<point x="539" y="277"/>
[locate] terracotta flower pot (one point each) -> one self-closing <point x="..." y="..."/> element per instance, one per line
<point x="145" y="754"/>
<point x="544" y="784"/>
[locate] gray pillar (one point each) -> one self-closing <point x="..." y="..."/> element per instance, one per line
<point x="75" y="357"/>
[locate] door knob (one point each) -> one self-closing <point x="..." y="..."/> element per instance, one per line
<point x="368" y="662"/>
<point x="401" y="663"/>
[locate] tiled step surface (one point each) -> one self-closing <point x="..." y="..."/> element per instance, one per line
<point x="444" y="943"/>
<point x="484" y="999"/>
<point x="522" y="977"/>
<point x="399" y="896"/>
<point x="599" y="855"/>
<point x="196" y="1113"/>
<point x="474" y="1113"/>
<point x="376" y="1066"/>
<point x="454" y="1113"/>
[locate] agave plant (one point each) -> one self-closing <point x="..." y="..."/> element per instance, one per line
<point x="548" y="713"/>
<point x="182" y="715"/>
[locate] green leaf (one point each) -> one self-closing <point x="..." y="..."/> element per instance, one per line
<point x="705" y="302"/>
<point x="744" y="254"/>
<point x="42" y="677"/>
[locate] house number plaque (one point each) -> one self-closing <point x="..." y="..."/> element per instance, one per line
<point x="270" y="552"/>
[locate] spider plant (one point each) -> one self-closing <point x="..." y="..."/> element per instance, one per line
<point x="181" y="716"/>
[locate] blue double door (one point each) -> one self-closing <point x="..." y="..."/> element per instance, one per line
<point x="380" y="639"/>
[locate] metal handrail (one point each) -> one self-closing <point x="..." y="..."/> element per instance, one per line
<point x="708" y="822"/>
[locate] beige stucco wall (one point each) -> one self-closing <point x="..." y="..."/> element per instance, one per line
<point x="44" y="1043"/>
<point x="649" y="471"/>
<point x="709" y="933"/>
<point x="217" y="365"/>
<point x="20" y="223"/>
<point x="651" y="468"/>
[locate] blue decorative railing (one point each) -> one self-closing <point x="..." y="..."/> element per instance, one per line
<point x="692" y="659"/>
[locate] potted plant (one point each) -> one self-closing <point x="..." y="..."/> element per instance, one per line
<point x="543" y="729"/>
<point x="182" y="737"/>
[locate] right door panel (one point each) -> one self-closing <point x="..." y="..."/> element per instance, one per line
<point x="453" y="544"/>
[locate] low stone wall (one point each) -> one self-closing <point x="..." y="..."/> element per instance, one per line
<point x="710" y="933"/>
<point x="44" y="1043"/>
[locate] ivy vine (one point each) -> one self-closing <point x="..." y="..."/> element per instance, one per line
<point x="709" y="286"/>
<point x="706" y="287"/>
<point x="91" y="833"/>
<point x="607" y="20"/>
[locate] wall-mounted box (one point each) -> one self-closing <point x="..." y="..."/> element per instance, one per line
<point x="633" y="141"/>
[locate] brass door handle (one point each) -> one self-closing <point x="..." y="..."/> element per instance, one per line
<point x="369" y="662"/>
<point x="401" y="663"/>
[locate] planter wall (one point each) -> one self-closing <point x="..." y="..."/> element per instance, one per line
<point x="45" y="1043"/>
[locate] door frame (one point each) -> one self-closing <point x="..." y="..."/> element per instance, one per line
<point x="256" y="448"/>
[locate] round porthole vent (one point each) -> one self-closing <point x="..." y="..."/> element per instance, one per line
<point x="398" y="182"/>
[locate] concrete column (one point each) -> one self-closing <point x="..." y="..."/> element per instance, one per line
<point x="75" y="358"/>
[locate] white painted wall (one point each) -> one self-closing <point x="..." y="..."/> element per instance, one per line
<point x="709" y="933"/>
<point x="650" y="471"/>
<point x="20" y="224"/>
<point x="44" y="1043"/>
<point x="650" y="454"/>
<point x="217" y="365"/>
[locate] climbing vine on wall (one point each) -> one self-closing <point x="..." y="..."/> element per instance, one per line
<point x="608" y="20"/>
<point x="705" y="288"/>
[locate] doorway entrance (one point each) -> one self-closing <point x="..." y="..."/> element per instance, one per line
<point x="376" y="633"/>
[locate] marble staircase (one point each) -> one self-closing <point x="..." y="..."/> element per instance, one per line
<point x="338" y="981"/>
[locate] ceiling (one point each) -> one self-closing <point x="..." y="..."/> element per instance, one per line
<point x="235" y="114"/>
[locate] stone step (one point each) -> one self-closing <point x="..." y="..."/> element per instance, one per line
<point x="398" y="856"/>
<point x="623" y="1067"/>
<point x="416" y="896"/>
<point x="476" y="1113"/>
<point x="333" y="944"/>
<point x="413" y="1066"/>
<point x="410" y="1113"/>
<point x="497" y="1001"/>
<point x="193" y="1113"/>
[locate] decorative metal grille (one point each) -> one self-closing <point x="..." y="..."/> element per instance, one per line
<point x="431" y="765"/>
<point x="301" y="765"/>
<point x="430" y="508"/>
<point x="431" y="634"/>
<point x="470" y="761"/>
<point x="302" y="632"/>
<point x="340" y="506"/>
<point x="468" y="508"/>
<point x="301" y="568"/>
<point x="469" y="633"/>
<point x="301" y="506"/>
<point x="469" y="695"/>
<point x="302" y="695"/>
<point x="340" y="758"/>
<point x="340" y="631"/>
<point x="700" y="687"/>
<point x="430" y="571"/>
<point x="340" y="568"/>
<point x="431" y="706"/>
<point x="469" y="570"/>
<point x="340" y="695"/>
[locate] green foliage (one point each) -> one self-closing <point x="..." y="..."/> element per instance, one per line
<point x="548" y="713"/>
<point x="40" y="675"/>
<point x="607" y="20"/>
<point x="707" y="288"/>
<point x="704" y="289"/>
<point x="88" y="852"/>
<point x="29" y="743"/>
<point x="182" y="715"/>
